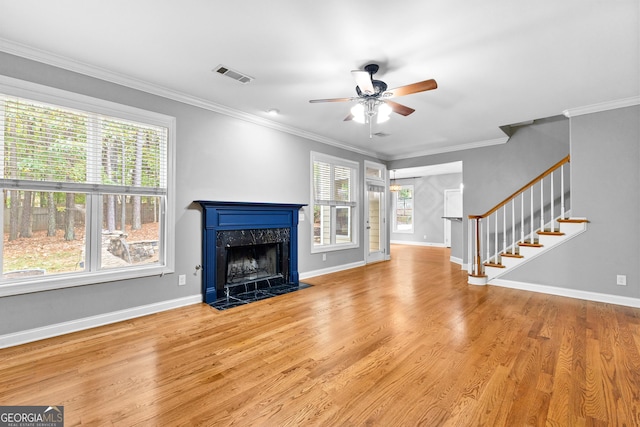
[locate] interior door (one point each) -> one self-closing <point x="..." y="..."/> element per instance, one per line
<point x="375" y="222"/>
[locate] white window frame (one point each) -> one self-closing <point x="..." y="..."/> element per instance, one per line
<point x="49" y="95"/>
<point x="355" y="196"/>
<point x="395" y="210"/>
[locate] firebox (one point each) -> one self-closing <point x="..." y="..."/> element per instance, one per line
<point x="248" y="264"/>
<point x="248" y="245"/>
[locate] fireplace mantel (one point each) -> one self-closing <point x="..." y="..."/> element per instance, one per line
<point x="220" y="217"/>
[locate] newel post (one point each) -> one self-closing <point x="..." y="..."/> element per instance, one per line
<point x="477" y="276"/>
<point x="478" y="256"/>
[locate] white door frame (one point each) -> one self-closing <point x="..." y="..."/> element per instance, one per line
<point x="375" y="178"/>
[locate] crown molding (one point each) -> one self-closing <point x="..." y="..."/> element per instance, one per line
<point x="602" y="106"/>
<point x="449" y="149"/>
<point x="68" y="64"/>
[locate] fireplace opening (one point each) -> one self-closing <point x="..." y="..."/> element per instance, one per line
<point x="253" y="263"/>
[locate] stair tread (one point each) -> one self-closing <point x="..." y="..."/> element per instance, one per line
<point x="531" y="245"/>
<point x="573" y="220"/>
<point x="550" y="233"/>
<point x="510" y="255"/>
<point x="490" y="264"/>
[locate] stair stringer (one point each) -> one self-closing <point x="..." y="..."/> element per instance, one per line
<point x="570" y="229"/>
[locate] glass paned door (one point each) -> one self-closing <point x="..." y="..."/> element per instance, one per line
<point x="375" y="223"/>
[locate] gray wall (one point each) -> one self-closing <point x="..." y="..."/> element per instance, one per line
<point x="218" y="158"/>
<point x="605" y="159"/>
<point x="490" y="174"/>
<point x="429" y="207"/>
<point x="223" y="158"/>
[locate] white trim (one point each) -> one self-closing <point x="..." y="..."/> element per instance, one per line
<point x="59" y="97"/>
<point x="30" y="335"/>
<point x="133" y="83"/>
<point x="430" y="244"/>
<point x="477" y="281"/>
<point x="356" y="198"/>
<point x="328" y="270"/>
<point x="59" y="61"/>
<point x="457" y="260"/>
<point x="602" y="106"/>
<point x="375" y="165"/>
<point x="449" y="149"/>
<point x="565" y="292"/>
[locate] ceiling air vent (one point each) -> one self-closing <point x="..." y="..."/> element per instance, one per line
<point x="235" y="75"/>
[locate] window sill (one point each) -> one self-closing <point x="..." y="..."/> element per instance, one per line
<point x="333" y="248"/>
<point x="62" y="281"/>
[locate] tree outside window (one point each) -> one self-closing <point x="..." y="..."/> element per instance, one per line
<point x="83" y="192"/>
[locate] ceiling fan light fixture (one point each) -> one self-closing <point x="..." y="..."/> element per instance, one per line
<point x="358" y="113"/>
<point x="384" y="112"/>
<point x="382" y="119"/>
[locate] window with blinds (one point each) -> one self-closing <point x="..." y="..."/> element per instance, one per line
<point x="49" y="144"/>
<point x="84" y="192"/>
<point x="334" y="202"/>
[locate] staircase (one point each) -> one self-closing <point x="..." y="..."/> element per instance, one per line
<point x="526" y="224"/>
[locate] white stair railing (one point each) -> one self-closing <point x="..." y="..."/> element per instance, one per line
<point x="512" y="222"/>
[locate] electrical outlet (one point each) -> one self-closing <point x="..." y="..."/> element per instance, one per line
<point x="182" y="280"/>
<point x="621" y="280"/>
<point x="324" y="257"/>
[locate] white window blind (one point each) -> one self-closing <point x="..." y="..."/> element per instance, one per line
<point x="85" y="181"/>
<point x="333" y="184"/>
<point x="80" y="150"/>
<point x="334" y="203"/>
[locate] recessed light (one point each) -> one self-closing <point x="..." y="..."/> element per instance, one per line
<point x="273" y="112"/>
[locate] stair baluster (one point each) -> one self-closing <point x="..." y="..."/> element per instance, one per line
<point x="484" y="231"/>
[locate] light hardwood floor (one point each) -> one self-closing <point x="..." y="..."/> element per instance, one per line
<point x="399" y="343"/>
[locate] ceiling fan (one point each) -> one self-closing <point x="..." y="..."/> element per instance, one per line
<point x="374" y="98"/>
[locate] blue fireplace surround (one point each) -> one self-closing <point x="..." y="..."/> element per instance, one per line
<point x="227" y="224"/>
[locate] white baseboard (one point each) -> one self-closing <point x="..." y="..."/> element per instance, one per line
<point x="307" y="274"/>
<point x="30" y="335"/>
<point x="402" y="242"/>
<point x="571" y="293"/>
<point x="456" y="260"/>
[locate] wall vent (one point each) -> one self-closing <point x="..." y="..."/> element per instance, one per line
<point x="235" y="75"/>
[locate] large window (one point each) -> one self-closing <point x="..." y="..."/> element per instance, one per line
<point x="85" y="190"/>
<point x="335" y="184"/>
<point x="403" y="209"/>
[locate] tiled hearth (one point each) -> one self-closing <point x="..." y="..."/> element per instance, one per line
<point x="256" y="292"/>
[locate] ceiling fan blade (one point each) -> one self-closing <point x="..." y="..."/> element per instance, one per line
<point x="399" y="108"/>
<point x="349" y="117"/>
<point x="412" y="88"/>
<point x="332" y="100"/>
<point x="363" y="80"/>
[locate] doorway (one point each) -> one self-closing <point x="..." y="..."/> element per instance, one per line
<point x="375" y="236"/>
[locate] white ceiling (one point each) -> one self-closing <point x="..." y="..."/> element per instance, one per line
<point x="496" y="62"/>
